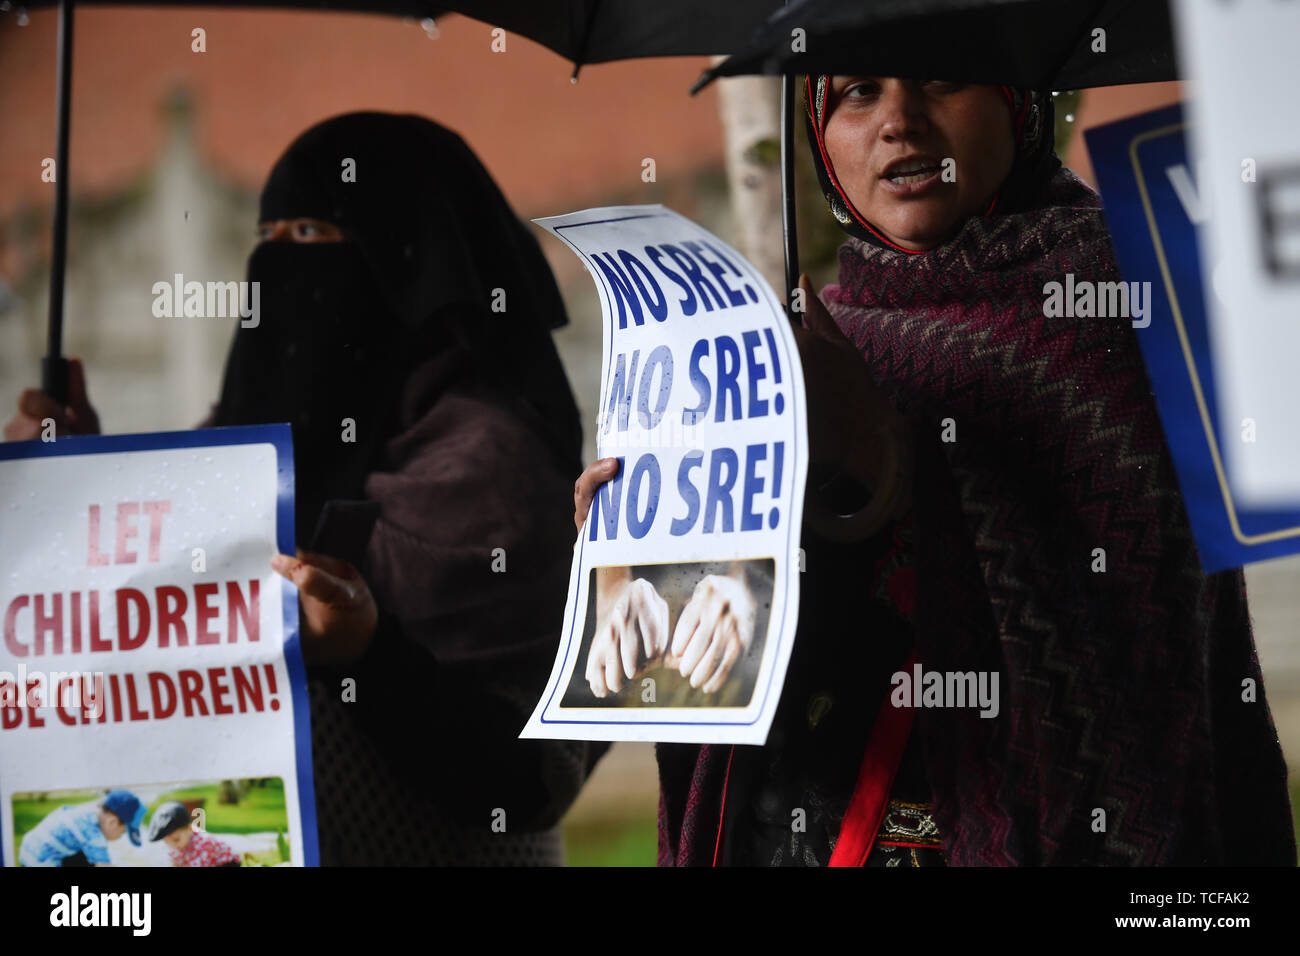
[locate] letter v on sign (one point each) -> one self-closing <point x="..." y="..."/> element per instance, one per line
<point x="1191" y="198"/>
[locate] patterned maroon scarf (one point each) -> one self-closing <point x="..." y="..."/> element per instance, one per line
<point x="1120" y="691"/>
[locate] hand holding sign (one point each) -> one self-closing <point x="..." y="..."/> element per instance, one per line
<point x="690" y="521"/>
<point x="338" y="612"/>
<point x="584" y="489"/>
<point x="34" y="407"/>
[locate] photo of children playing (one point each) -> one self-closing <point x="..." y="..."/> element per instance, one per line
<point x="696" y="629"/>
<point x="212" y="823"/>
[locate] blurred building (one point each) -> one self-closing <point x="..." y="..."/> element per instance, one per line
<point x="169" y="149"/>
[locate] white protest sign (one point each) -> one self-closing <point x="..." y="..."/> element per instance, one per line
<point x="148" y="646"/>
<point x="1241" y="57"/>
<point x="684" y="593"/>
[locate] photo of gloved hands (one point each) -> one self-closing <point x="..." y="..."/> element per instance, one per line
<point x="690" y="626"/>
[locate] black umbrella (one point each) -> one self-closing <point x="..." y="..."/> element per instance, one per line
<point x="1042" y="44"/>
<point x="584" y="31"/>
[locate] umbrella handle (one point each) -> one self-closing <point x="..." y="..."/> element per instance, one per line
<point x="54" y="377"/>
<point x="54" y="367"/>
<point x="789" y="221"/>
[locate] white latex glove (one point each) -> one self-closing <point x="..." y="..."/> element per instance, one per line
<point x="716" y="627"/>
<point x="633" y="635"/>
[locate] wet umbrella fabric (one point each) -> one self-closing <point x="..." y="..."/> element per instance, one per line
<point x="584" y="31"/>
<point x="1036" y="44"/>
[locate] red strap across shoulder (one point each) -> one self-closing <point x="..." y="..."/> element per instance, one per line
<point x="880" y="765"/>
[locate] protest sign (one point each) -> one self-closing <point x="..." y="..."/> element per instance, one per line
<point x="1150" y="195"/>
<point x="1246" y="149"/>
<point x="149" y="649"/>
<point x="684" y="591"/>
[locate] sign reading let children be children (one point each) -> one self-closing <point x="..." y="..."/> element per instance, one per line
<point x="150" y="653"/>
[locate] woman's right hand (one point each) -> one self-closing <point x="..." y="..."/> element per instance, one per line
<point x="584" y="489"/>
<point x="35" y="407"/>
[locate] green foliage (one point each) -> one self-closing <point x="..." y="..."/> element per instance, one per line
<point x="632" y="841"/>
<point x="260" y="809"/>
<point x="1066" y="104"/>
<point x="765" y="152"/>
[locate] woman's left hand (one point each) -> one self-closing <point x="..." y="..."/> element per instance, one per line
<point x="848" y="418"/>
<point x="336" y="609"/>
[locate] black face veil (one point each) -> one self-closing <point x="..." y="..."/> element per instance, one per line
<point x="431" y="246"/>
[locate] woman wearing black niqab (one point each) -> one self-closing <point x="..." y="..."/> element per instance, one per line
<point x="429" y="244"/>
<point x="414" y="361"/>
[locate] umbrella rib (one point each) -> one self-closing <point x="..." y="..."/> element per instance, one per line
<point x="583" y="37"/>
<point x="1051" y="76"/>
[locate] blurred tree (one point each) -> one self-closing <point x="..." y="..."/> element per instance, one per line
<point x="749" y="107"/>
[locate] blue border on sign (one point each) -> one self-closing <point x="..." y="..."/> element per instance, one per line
<point x="1154" y="237"/>
<point x="281" y="438"/>
<point x="794" y="451"/>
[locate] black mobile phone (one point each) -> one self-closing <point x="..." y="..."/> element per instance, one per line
<point x="344" y="528"/>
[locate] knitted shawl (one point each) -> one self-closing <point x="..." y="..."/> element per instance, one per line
<point x="1053" y="547"/>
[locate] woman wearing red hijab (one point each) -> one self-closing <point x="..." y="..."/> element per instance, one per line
<point x="1026" y="526"/>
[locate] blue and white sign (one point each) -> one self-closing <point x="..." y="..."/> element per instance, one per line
<point x="1240" y="57"/>
<point x="684" y="592"/>
<point x="150" y="653"/>
<point x="1154" y="202"/>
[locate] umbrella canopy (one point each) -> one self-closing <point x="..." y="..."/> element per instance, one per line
<point x="584" y="31"/>
<point x="1040" y="44"/>
<point x="1043" y="44"/>
<point x="598" y="31"/>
